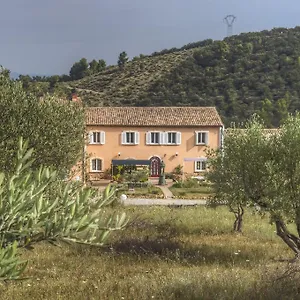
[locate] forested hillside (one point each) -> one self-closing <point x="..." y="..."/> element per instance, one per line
<point x="250" y="73"/>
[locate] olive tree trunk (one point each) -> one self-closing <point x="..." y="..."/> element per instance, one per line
<point x="290" y="239"/>
<point x="238" y="213"/>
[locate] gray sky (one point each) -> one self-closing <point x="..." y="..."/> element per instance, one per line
<point x="48" y="36"/>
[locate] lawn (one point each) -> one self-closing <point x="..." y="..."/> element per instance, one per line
<point x="165" y="253"/>
<point x="199" y="192"/>
<point x="142" y="192"/>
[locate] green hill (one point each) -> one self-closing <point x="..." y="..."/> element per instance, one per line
<point x="250" y="73"/>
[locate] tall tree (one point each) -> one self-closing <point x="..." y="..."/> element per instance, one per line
<point x="264" y="170"/>
<point x="238" y="171"/>
<point x="93" y="67"/>
<point x="101" y="65"/>
<point x="123" y="59"/>
<point x="79" y="69"/>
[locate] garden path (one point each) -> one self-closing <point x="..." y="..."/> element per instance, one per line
<point x="165" y="189"/>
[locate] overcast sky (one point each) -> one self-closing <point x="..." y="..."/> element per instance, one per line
<point x="48" y="36"/>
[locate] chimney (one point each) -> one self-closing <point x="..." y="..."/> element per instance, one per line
<point x="75" y="98"/>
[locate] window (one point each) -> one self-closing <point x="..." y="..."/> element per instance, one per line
<point x="163" y="138"/>
<point x="200" y="165"/>
<point x="96" y="165"/>
<point x="201" y="137"/>
<point x="154" y="138"/>
<point x="97" y="137"/>
<point x="130" y="138"/>
<point x="173" y="138"/>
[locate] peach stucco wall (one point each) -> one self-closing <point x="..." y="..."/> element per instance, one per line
<point x="187" y="148"/>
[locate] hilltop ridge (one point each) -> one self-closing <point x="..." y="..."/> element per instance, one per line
<point x="257" y="72"/>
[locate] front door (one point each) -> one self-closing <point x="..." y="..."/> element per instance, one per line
<point x="154" y="166"/>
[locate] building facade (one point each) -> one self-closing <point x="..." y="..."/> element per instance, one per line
<point x="170" y="135"/>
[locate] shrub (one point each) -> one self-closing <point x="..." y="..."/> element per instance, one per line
<point x="31" y="211"/>
<point x="169" y="176"/>
<point x="137" y="176"/>
<point x="189" y="183"/>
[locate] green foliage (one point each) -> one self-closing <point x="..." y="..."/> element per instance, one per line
<point x="137" y="175"/>
<point x="96" y="66"/>
<point x="255" y="72"/>
<point x="79" y="69"/>
<point x="236" y="75"/>
<point x="239" y="171"/>
<point x="188" y="183"/>
<point x="118" y="172"/>
<point x="263" y="170"/>
<point x="237" y="168"/>
<point x="11" y="267"/>
<point x="122" y="60"/>
<point x="31" y="212"/>
<point x="170" y="176"/>
<point x="55" y="128"/>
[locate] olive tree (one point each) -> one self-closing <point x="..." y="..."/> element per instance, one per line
<point x="256" y="168"/>
<point x="238" y="170"/>
<point x="53" y="127"/>
<point x="30" y="212"/>
<point x="284" y="200"/>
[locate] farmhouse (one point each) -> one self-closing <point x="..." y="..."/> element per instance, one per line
<point x="152" y="136"/>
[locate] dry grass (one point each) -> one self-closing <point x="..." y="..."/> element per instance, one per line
<point x="165" y="253"/>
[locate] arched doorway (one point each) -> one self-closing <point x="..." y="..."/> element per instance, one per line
<point x="155" y="166"/>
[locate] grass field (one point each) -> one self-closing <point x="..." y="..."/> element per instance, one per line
<point x="165" y="253"/>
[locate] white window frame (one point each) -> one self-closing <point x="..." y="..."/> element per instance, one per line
<point x="177" y="141"/>
<point x="101" y="139"/>
<point x="201" y="161"/>
<point x="124" y="138"/>
<point x="149" y="135"/>
<point x="96" y="170"/>
<point x="197" y="142"/>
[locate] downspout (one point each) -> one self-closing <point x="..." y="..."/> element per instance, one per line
<point x="221" y="137"/>
<point x="83" y="171"/>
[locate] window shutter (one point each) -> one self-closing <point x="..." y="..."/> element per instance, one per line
<point x="91" y="165"/>
<point x="102" y="137"/>
<point x="161" y="138"/>
<point x="178" y="138"/>
<point x="196" y="138"/>
<point x="165" y="138"/>
<point x="148" y="138"/>
<point x="123" y="137"/>
<point x="91" y="137"/>
<point x="206" y="138"/>
<point x="136" y="138"/>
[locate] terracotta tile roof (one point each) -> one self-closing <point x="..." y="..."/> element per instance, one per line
<point x="153" y="116"/>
